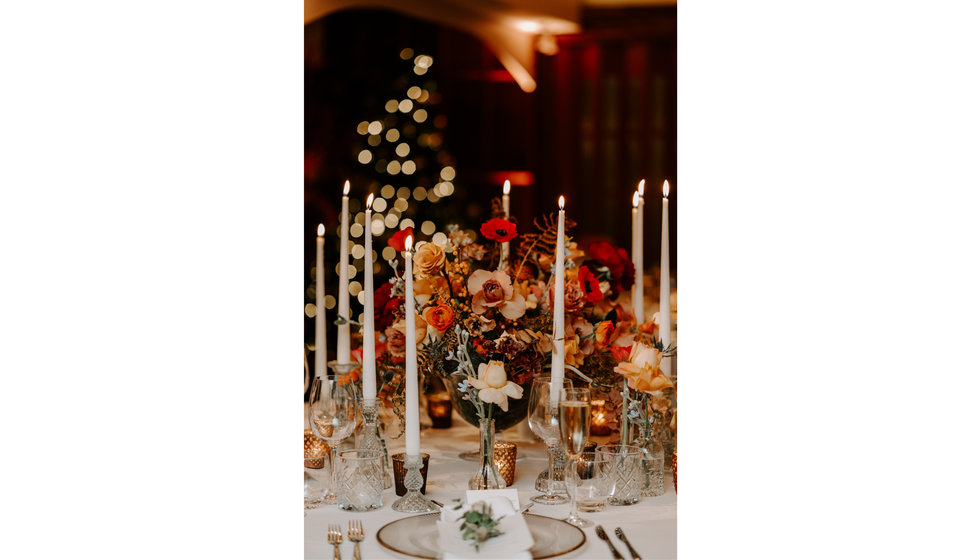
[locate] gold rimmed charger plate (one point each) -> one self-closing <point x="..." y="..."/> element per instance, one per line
<point x="418" y="536"/>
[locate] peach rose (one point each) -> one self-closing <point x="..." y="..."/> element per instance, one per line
<point x="425" y="288"/>
<point x="642" y="371"/>
<point x="494" y="289"/>
<point x="440" y="316"/>
<point x="420" y="328"/>
<point x="429" y="259"/>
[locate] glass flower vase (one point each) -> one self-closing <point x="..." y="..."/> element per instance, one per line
<point x="644" y="435"/>
<point x="488" y="478"/>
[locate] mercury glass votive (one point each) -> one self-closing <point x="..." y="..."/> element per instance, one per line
<point x="505" y="459"/>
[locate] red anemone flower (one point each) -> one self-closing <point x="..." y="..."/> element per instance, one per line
<point x="499" y="230"/>
<point x="397" y="241"/>
<point x="589" y="284"/>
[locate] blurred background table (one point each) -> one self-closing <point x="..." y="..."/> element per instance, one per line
<point x="651" y="525"/>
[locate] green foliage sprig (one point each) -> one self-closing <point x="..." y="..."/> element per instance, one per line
<point x="479" y="525"/>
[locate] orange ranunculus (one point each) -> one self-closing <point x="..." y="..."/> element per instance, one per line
<point x="440" y="316"/>
<point x="603" y="333"/>
<point x="642" y="371"/>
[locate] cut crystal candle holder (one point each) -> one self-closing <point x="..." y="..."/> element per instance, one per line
<point x="413" y="501"/>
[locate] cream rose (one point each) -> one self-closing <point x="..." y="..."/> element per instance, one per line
<point x="493" y="385"/>
<point x="642" y="371"/>
<point x="494" y="289"/>
<point x="429" y="259"/>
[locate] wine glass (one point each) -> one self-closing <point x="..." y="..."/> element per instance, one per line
<point x="542" y="416"/>
<point x="332" y="415"/>
<point x="574" y="415"/>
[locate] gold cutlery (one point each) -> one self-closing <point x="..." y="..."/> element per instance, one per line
<point x="355" y="534"/>
<point x="335" y="537"/>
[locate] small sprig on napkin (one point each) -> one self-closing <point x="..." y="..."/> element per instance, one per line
<point x="479" y="525"/>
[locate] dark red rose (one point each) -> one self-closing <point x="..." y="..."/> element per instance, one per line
<point x="589" y="284"/>
<point x="397" y="241"/>
<point x="603" y="252"/>
<point x="499" y="229"/>
<point x="384" y="306"/>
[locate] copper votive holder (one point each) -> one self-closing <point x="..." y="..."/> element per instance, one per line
<point x="440" y="410"/>
<point x="505" y="459"/>
<point x="314" y="450"/>
<point x="398" y="466"/>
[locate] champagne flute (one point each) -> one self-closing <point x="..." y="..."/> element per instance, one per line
<point x="333" y="416"/>
<point x="542" y="416"/>
<point x="574" y="415"/>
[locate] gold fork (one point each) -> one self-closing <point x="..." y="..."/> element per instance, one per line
<point x="335" y="537"/>
<point x="355" y="534"/>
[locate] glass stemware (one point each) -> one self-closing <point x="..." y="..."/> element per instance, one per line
<point x="542" y="417"/>
<point x="332" y="415"/>
<point x="574" y="418"/>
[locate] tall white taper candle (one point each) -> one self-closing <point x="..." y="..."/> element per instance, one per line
<point x="505" y="247"/>
<point x="369" y="383"/>
<point x="558" y="340"/>
<point x="320" y="335"/>
<point x="666" y="365"/>
<point x="638" y="307"/>
<point x="411" y="359"/>
<point x="343" y="295"/>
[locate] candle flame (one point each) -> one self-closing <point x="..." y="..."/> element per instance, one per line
<point x="408" y="243"/>
<point x="320" y="231"/>
<point x="643" y="184"/>
<point x="636" y="199"/>
<point x="507" y="186"/>
<point x="666" y="188"/>
<point x="346" y="188"/>
<point x="370" y="201"/>
<point x="561" y="202"/>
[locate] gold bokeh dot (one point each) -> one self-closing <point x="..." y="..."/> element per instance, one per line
<point x="388" y="253"/>
<point x="447" y="189"/>
<point x="362" y="127"/>
<point x="405" y="105"/>
<point x="428" y="227"/>
<point x="423" y="60"/>
<point x="406" y="54"/>
<point x="354" y="287"/>
<point x="375" y="127"/>
<point x="374" y="140"/>
<point x="447" y="173"/>
<point x="424" y="96"/>
<point x="394" y="167"/>
<point x="329" y="301"/>
<point x="440" y="238"/>
<point x="379" y="205"/>
<point x="420" y="115"/>
<point x="404" y="192"/>
<point x="356" y="230"/>
<point x="401" y="204"/>
<point x="377" y="226"/>
<point x="392" y="135"/>
<point x="414" y="92"/>
<point x="419" y="193"/>
<point x="391" y="106"/>
<point x="402" y="149"/>
<point x="387" y="191"/>
<point x="408" y="167"/>
<point x="433" y="197"/>
<point x="311" y="309"/>
<point x="364" y="156"/>
<point x="360" y="318"/>
<point x="407" y="222"/>
<point x="391" y="220"/>
<point x="357" y="252"/>
<point x="359" y="218"/>
<point x="351" y="271"/>
<point x="360" y="299"/>
<point x="419" y="70"/>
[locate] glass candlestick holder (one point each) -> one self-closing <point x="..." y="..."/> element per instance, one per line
<point x="370" y="437"/>
<point x="413" y="501"/>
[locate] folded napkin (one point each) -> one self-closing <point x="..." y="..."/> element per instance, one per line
<point x="515" y="542"/>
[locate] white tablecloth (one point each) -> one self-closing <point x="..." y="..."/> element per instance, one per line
<point x="651" y="525"/>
